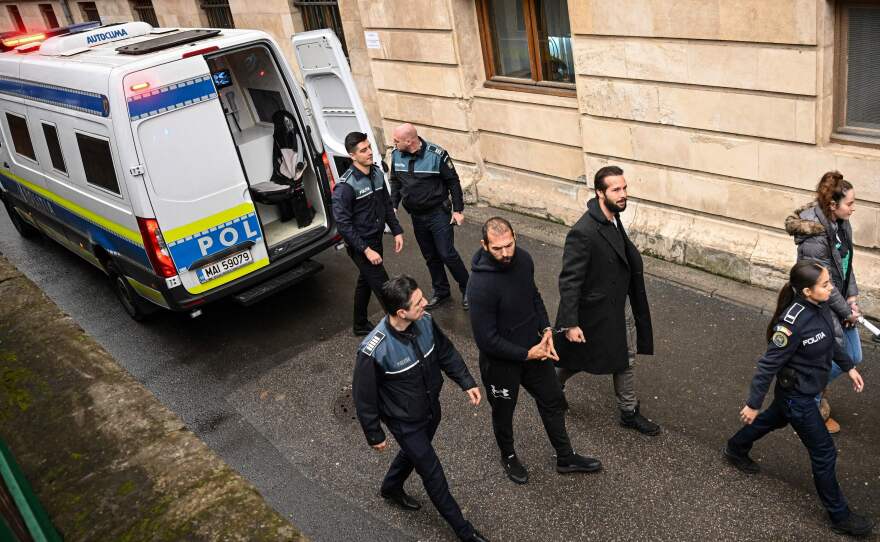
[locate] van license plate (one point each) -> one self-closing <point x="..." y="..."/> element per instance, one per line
<point x="224" y="266"/>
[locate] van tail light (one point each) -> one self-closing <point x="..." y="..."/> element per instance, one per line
<point x="198" y="52"/>
<point x="329" y="171"/>
<point x="156" y="248"/>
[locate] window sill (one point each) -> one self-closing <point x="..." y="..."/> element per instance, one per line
<point x="863" y="141"/>
<point x="548" y="90"/>
<point x="492" y="93"/>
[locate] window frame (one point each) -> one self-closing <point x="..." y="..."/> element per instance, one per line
<point x="840" y="132"/>
<point x="145" y="10"/>
<point x="86" y="7"/>
<point x="214" y="10"/>
<point x="66" y="170"/>
<point x="27" y="127"/>
<point x="534" y="85"/>
<point x="15" y="16"/>
<point x="46" y="10"/>
<point x="116" y="176"/>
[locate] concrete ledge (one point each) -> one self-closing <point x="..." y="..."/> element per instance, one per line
<point x="106" y="459"/>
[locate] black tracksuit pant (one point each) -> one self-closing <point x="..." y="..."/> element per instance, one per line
<point x="503" y="379"/>
<point x="370" y="279"/>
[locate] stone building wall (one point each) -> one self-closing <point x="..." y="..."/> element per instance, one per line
<point x="720" y="112"/>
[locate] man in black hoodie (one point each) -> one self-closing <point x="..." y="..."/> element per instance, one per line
<point x="515" y="339"/>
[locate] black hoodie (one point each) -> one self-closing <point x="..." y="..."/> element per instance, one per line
<point x="507" y="313"/>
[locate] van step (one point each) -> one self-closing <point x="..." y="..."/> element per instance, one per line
<point x="282" y="281"/>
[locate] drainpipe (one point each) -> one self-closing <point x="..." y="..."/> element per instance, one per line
<point x="66" y="9"/>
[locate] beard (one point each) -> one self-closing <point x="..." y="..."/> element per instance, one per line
<point x="617" y="207"/>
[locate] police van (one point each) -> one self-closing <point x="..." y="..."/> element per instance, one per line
<point x="187" y="164"/>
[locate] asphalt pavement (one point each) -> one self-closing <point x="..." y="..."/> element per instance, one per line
<point x="268" y="388"/>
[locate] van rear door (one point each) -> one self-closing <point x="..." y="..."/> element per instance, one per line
<point x="193" y="175"/>
<point x="335" y="102"/>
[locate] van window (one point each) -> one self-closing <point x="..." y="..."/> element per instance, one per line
<point x="54" y="145"/>
<point x="97" y="162"/>
<point x="21" y="137"/>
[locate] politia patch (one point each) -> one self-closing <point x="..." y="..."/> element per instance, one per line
<point x="780" y="339"/>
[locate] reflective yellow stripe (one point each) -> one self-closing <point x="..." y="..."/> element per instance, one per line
<point x="220" y="281"/>
<point x="207" y="222"/>
<point x="122" y="231"/>
<point x="153" y="295"/>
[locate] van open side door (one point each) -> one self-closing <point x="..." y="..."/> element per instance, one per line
<point x="335" y="102"/>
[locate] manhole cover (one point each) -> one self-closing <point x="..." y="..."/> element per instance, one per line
<point x="343" y="406"/>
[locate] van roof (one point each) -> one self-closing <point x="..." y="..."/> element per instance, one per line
<point x="101" y="58"/>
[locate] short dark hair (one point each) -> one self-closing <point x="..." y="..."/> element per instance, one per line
<point x="396" y="293"/>
<point x="496" y="225"/>
<point x="352" y="141"/>
<point x="607" y="171"/>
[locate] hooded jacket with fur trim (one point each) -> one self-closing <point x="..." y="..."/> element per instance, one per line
<point x="815" y="237"/>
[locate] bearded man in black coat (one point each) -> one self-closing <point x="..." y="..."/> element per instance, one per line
<point x="603" y="305"/>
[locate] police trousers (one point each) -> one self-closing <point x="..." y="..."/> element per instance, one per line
<point x="417" y="452"/>
<point x="436" y="239"/>
<point x="502" y="380"/>
<point x="370" y="279"/>
<point x="803" y="415"/>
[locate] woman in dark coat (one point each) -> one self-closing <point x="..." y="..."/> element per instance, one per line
<point x="823" y="234"/>
<point x="602" y="276"/>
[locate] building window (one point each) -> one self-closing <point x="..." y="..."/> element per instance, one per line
<point x="218" y="13"/>
<point x="49" y="15"/>
<point x="145" y="12"/>
<point x="318" y="14"/>
<point x="21" y="137"/>
<point x="55" y="154"/>
<point x="527" y="44"/>
<point x="89" y="11"/>
<point x="16" y="18"/>
<point x="858" y="94"/>
<point x="97" y="162"/>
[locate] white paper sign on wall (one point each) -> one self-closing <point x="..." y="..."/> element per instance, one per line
<point x="372" y="39"/>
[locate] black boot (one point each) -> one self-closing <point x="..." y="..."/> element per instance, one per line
<point x="634" y="420"/>
<point x="853" y="525"/>
<point x="743" y="463"/>
<point x="399" y="498"/>
<point x="476" y="537"/>
<point x="577" y="463"/>
<point x="515" y="470"/>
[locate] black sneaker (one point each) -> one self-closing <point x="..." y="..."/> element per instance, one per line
<point x="577" y="463"/>
<point x="515" y="470"/>
<point x="634" y="420"/>
<point x="435" y="301"/>
<point x="743" y="463"/>
<point x="363" y="329"/>
<point x="854" y="525"/>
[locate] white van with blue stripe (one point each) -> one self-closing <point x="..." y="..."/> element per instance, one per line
<point x="185" y="163"/>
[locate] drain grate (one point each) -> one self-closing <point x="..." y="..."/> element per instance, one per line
<point x="343" y="406"/>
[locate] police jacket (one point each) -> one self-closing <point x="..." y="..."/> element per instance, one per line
<point x="817" y="238"/>
<point x="361" y="207"/>
<point x="424" y="180"/>
<point x="804" y="343"/>
<point x="397" y="375"/>
<point x="506" y="309"/>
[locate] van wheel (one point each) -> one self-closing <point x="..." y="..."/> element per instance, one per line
<point x="23" y="228"/>
<point x="137" y="307"/>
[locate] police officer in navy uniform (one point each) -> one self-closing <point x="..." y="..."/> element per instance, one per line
<point x="423" y="179"/>
<point x="397" y="379"/>
<point x="362" y="208"/>
<point x="803" y="336"/>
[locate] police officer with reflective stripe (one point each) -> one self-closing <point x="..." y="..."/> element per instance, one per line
<point x="423" y="179"/>
<point x="361" y="208"/>
<point x="397" y="379"/>
<point x="803" y="335"/>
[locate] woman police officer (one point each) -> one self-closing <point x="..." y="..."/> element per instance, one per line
<point x="802" y="337"/>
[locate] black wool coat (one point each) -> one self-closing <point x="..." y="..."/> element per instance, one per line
<point x="600" y="268"/>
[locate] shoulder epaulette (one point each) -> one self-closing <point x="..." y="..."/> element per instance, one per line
<point x="345" y="176"/>
<point x="793" y="312"/>
<point x="436" y="149"/>
<point x="371" y="344"/>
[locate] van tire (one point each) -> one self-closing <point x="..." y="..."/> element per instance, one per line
<point x="136" y="306"/>
<point x="25" y="229"/>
